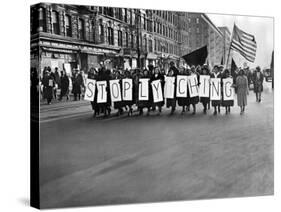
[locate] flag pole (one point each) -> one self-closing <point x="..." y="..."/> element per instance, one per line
<point x="229" y="47"/>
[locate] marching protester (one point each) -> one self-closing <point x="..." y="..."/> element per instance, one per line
<point x="158" y="76"/>
<point x="227" y="103"/>
<point x="242" y="90"/>
<point x="64" y="85"/>
<point x="205" y="100"/>
<point x="216" y="103"/>
<point x="145" y="103"/>
<point x="258" y="83"/>
<point x="93" y="74"/>
<point x="171" y="102"/>
<point x="48" y="86"/>
<point x="194" y="100"/>
<point x="184" y="101"/>
<point x="118" y="105"/>
<point x="127" y="103"/>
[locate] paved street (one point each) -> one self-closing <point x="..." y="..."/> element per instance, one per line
<point x="94" y="161"/>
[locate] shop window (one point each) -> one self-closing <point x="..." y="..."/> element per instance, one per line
<point x="55" y="22"/>
<point x="126" y="39"/>
<point x="150" y="45"/>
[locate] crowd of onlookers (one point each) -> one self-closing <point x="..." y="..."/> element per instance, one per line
<point x="53" y="81"/>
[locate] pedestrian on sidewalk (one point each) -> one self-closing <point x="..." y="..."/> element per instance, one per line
<point x="77" y="83"/>
<point x="64" y="86"/>
<point x="242" y="90"/>
<point x="49" y="84"/>
<point x="258" y="83"/>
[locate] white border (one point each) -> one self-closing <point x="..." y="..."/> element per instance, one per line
<point x="14" y="189"/>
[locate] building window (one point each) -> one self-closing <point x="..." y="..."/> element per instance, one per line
<point x="110" y="36"/>
<point x="197" y="30"/>
<point x="155" y="45"/>
<point x="197" y="20"/>
<point x="55" y="22"/>
<point x="42" y="19"/>
<point x="126" y="39"/>
<point x="145" y="44"/>
<point x="126" y="15"/>
<point x="81" y="34"/>
<point x="68" y="26"/>
<point x="132" y="41"/>
<point x="101" y="33"/>
<point x="120" y="38"/>
<point x="150" y="45"/>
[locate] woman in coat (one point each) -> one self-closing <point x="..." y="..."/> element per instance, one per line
<point x="227" y="103"/>
<point x="129" y="104"/>
<point x="119" y="105"/>
<point x="77" y="83"/>
<point x="258" y="83"/>
<point x="205" y="100"/>
<point x="216" y="103"/>
<point x="242" y="90"/>
<point x="171" y="102"/>
<point x="157" y="76"/>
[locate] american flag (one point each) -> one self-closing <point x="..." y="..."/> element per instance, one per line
<point x="244" y="43"/>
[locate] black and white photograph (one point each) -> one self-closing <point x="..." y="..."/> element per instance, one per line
<point x="132" y="105"/>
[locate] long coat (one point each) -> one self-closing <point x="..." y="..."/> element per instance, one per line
<point x="258" y="82"/>
<point x="242" y="90"/>
<point x="48" y="83"/>
<point x="64" y="85"/>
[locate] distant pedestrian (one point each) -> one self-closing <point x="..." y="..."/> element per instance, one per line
<point x="258" y="83"/>
<point x="242" y="90"/>
<point x="77" y="83"/>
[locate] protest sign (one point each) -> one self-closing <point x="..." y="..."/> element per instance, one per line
<point x="143" y="89"/>
<point x="90" y="90"/>
<point x="181" y="86"/>
<point x="127" y="89"/>
<point x="204" y="88"/>
<point x="215" y="89"/>
<point x="157" y="91"/>
<point x="115" y="91"/>
<point x="102" y="93"/>
<point x="169" y="87"/>
<point x="228" y="90"/>
<point x="193" y="85"/>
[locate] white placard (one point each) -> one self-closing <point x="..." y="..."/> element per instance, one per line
<point x="204" y="87"/>
<point x="127" y="89"/>
<point x="90" y="90"/>
<point x="67" y="68"/>
<point x="193" y="88"/>
<point x="143" y="89"/>
<point x="169" y="87"/>
<point x="157" y="91"/>
<point x="215" y="89"/>
<point x="102" y="93"/>
<point x="228" y="90"/>
<point x="115" y="90"/>
<point x="181" y="86"/>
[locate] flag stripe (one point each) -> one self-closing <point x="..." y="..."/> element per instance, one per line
<point x="244" y="54"/>
<point x="247" y="51"/>
<point x="251" y="59"/>
<point x="244" y="43"/>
